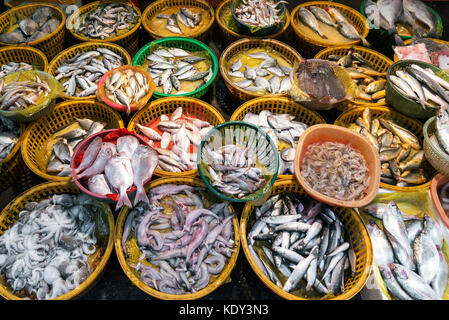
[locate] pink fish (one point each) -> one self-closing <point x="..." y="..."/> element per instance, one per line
<point x="90" y="154"/>
<point x="144" y="161"/>
<point x="119" y="173"/>
<point x="107" y="150"/>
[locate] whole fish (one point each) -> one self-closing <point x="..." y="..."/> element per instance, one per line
<point x="90" y="154"/>
<point x="144" y="161"/>
<point x="322" y="15"/>
<point x="107" y="151"/>
<point x="422" y="13"/>
<point x="392" y="284"/>
<point x="390" y="11"/>
<point x="98" y="184"/>
<point x="119" y="173"/>
<point x="439" y="282"/>
<point x="309" y="19"/>
<point x="382" y="250"/>
<point x="442" y="128"/>
<point x="426" y="256"/>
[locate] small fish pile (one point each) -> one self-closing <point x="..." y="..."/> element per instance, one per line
<point x="422" y="86"/>
<point x="9" y="136"/>
<point x="176" y="139"/>
<point x="259" y="13"/>
<point x="336" y="170"/>
<point x="171" y="68"/>
<point x="371" y="82"/>
<point x="404" y="17"/>
<point x="19" y="95"/>
<point x="64" y="142"/>
<point x="185" y="16"/>
<point x="80" y="74"/>
<point x="285" y="133"/>
<point x="40" y="24"/>
<point x="233" y="170"/>
<point x="45" y="253"/>
<point x="301" y="246"/>
<point x="314" y="16"/>
<point x="106" y="21"/>
<point x="12" y="67"/>
<point x="408" y="253"/>
<point x="269" y="76"/>
<point x="440" y="138"/>
<point x="115" y="167"/>
<point x="400" y="152"/>
<point x="126" y="87"/>
<point x="185" y="242"/>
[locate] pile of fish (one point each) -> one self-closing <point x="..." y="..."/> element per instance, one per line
<point x="301" y="246"/>
<point x="80" y="74"/>
<point x="282" y="129"/>
<point x="422" y="86"/>
<point x="40" y="24"/>
<point x="268" y="77"/>
<point x="45" y="253"/>
<point x="426" y="50"/>
<point x="259" y="13"/>
<point x="312" y="15"/>
<point x="408" y="253"/>
<point x="412" y="14"/>
<point x="126" y="87"/>
<point x="233" y="170"/>
<point x="185" y="16"/>
<point x="400" y="152"/>
<point x="19" y="95"/>
<point x="176" y="139"/>
<point x="169" y="67"/>
<point x="12" y="67"/>
<point x="9" y="136"/>
<point x="440" y="138"/>
<point x="65" y="141"/>
<point x="116" y="167"/>
<point x="184" y="243"/>
<point x="371" y="82"/>
<point x="106" y="21"/>
<point x="336" y="170"/>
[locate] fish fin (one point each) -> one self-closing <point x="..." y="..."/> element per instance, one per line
<point x="365" y="42"/>
<point x="123" y="200"/>
<point x="141" y="195"/>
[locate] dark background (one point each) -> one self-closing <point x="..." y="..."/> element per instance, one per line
<point x="243" y="284"/>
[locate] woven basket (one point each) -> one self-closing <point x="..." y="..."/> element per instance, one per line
<point x="72" y="51"/>
<point x="42" y="191"/>
<point x="379" y="62"/>
<point x="191" y="106"/>
<point x="128" y="40"/>
<point x="284" y="50"/>
<point x="51" y="44"/>
<point x="409" y="42"/>
<point x="310" y="47"/>
<point x="155" y="7"/>
<point x="410" y="124"/>
<point x="134" y="276"/>
<point x="26" y="54"/>
<point x="350" y="219"/>
<point x="38" y="133"/>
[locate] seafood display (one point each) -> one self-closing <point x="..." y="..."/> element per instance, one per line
<point x="259" y="13"/>
<point x="301" y="246"/>
<point x="64" y="141"/>
<point x="426" y="50"/>
<point x="371" y="83"/>
<point x="34" y="27"/>
<point x="440" y="138"/>
<point x="329" y="24"/>
<point x="421" y="85"/>
<point x="176" y="138"/>
<point x="80" y="75"/>
<point x="184" y="238"/>
<point x="177" y="71"/>
<point x="260" y="71"/>
<point x="46" y="252"/>
<point x="12" y="67"/>
<point x="115" y="167"/>
<point x="9" y="136"/>
<point x="285" y="133"/>
<point x="401" y="155"/>
<point x="184" y="16"/>
<point x="106" y="20"/>
<point x="402" y="17"/>
<point x="408" y="253"/>
<point x="336" y="170"/>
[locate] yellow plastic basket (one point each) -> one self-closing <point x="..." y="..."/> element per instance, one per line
<point x="133" y="275"/>
<point x="278" y="105"/>
<point x="128" y="40"/>
<point x="414" y="126"/>
<point x="26" y="54"/>
<point x="155" y="7"/>
<point x="350" y="219"/>
<point x="191" y="106"/>
<point x="105" y="243"/>
<point x="284" y="50"/>
<point x="409" y="41"/>
<point x="72" y="51"/>
<point x="51" y="44"/>
<point x="38" y="133"/>
<point x="229" y="36"/>
<point x="310" y="47"/>
<point x="379" y="62"/>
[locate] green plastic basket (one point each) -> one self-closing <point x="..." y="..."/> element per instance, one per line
<point x="188" y="44"/>
<point x="246" y="135"/>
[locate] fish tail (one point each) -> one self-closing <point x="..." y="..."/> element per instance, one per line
<point x="141" y="195"/>
<point x="123" y="199"/>
<point x="365" y="42"/>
